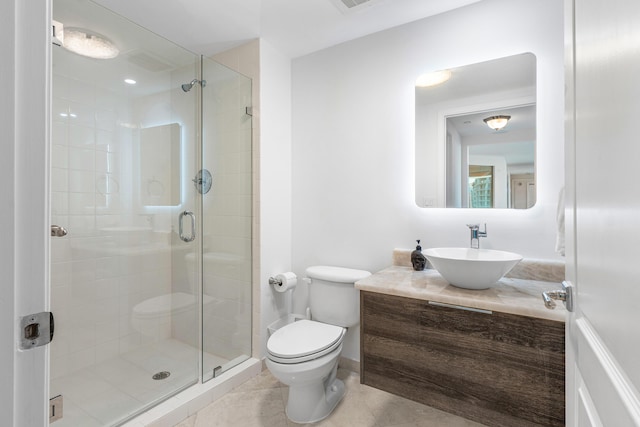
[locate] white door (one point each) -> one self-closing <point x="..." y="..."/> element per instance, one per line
<point x="24" y="172"/>
<point x="603" y="212"/>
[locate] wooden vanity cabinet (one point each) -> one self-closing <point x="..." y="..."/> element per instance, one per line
<point x="494" y="368"/>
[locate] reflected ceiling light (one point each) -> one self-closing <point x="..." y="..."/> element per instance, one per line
<point x="433" y="79"/>
<point x="130" y="81"/>
<point x="90" y="44"/>
<point x="497" y="122"/>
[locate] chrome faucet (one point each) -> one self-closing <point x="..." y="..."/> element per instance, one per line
<point x="476" y="234"/>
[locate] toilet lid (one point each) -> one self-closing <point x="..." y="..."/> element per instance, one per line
<point x="336" y="274"/>
<point x="304" y="338"/>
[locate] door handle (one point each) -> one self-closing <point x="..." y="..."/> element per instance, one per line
<point x="565" y="295"/>
<point x="192" y="236"/>
<point x="57" y="231"/>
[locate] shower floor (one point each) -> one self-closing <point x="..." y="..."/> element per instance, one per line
<point x="105" y="393"/>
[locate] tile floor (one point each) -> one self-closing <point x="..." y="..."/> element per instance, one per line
<point x="117" y="387"/>
<point x="260" y="402"/>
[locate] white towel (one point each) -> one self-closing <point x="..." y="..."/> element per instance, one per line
<point x="560" y="224"/>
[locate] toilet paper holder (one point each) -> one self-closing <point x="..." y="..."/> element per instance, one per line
<point x="275" y="281"/>
<point x="283" y="282"/>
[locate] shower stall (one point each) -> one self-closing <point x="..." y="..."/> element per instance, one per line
<point x="151" y="198"/>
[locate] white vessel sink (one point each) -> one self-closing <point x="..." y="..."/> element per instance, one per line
<point x="471" y="268"/>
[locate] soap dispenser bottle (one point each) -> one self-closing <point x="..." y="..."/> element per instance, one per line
<point x="417" y="259"/>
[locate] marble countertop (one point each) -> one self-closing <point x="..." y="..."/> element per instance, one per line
<point x="513" y="296"/>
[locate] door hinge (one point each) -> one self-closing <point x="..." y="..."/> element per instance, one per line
<point x="57" y="33"/>
<point x="217" y="371"/>
<point x="36" y="330"/>
<point x="55" y="408"/>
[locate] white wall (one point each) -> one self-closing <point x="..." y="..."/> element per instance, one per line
<point x="275" y="182"/>
<point x="353" y="139"/>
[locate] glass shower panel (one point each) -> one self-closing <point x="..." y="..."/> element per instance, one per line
<point x="226" y="219"/>
<point x="124" y="285"/>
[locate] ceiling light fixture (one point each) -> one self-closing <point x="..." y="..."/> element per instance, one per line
<point x="433" y="79"/>
<point x="497" y="122"/>
<point x="90" y="44"/>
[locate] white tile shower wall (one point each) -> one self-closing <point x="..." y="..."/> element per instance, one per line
<point x="117" y="253"/>
<point x="353" y="133"/>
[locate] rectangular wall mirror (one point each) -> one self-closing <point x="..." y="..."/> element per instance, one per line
<point x="476" y="135"/>
<point x="160" y="165"/>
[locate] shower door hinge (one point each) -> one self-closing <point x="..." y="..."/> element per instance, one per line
<point x="36" y="330"/>
<point x="217" y="371"/>
<point x="248" y="111"/>
<point x="55" y="408"/>
<point x="57" y="33"/>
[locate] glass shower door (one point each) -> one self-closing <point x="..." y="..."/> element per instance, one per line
<point x="226" y="219"/>
<point x="125" y="283"/>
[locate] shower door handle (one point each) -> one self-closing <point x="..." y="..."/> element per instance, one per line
<point x="192" y="236"/>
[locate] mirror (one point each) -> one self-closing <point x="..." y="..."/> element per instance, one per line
<point x="160" y="165"/>
<point x="461" y="162"/>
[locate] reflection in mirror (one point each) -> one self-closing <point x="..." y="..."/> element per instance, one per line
<point x="480" y="183"/>
<point x="160" y="165"/>
<point x="509" y="152"/>
<point x="462" y="159"/>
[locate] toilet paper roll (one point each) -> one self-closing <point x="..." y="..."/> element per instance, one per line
<point x="285" y="281"/>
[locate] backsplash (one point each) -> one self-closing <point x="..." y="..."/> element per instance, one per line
<point x="527" y="269"/>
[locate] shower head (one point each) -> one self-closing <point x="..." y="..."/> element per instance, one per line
<point x="187" y="86"/>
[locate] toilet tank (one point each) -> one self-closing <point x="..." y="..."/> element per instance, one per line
<point x="333" y="297"/>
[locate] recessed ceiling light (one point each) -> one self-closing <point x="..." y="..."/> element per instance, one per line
<point x="130" y="81"/>
<point x="90" y="44"/>
<point x="433" y="78"/>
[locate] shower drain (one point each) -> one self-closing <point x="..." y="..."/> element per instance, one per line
<point x="161" y="375"/>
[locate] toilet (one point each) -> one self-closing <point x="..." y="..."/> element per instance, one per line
<point x="304" y="354"/>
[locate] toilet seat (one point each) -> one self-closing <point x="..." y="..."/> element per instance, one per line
<point x="304" y="340"/>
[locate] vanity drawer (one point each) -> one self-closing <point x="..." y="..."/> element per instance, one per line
<point x="495" y="368"/>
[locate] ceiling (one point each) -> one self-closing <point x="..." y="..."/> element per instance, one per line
<point x="516" y="142"/>
<point x="294" y="27"/>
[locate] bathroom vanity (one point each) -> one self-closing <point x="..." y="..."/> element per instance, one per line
<point x="495" y="356"/>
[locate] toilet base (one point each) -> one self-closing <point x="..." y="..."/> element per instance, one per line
<point x="310" y="403"/>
